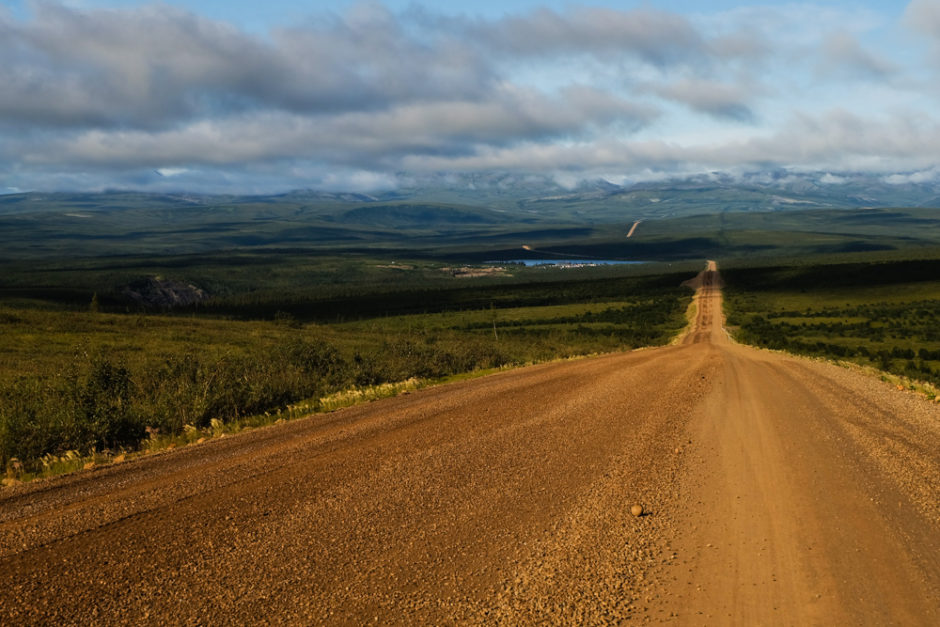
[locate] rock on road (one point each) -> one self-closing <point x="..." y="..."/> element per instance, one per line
<point x="776" y="490"/>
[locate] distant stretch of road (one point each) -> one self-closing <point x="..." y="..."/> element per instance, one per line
<point x="633" y="228"/>
<point x="775" y="491"/>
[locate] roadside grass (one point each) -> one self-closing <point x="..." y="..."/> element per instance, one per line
<point x="51" y="465"/>
<point x="85" y="387"/>
<point x="884" y="315"/>
<point x="691" y="312"/>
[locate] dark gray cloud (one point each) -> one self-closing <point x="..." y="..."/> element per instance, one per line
<point x="924" y="16"/>
<point x="835" y="139"/>
<point x="843" y="54"/>
<point x="162" y="86"/>
<point x="142" y="68"/>
<point x="712" y="98"/>
<point x="655" y="37"/>
<point x="371" y="139"/>
<point x="156" y="65"/>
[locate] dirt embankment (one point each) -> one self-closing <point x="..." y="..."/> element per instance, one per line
<point x="775" y="491"/>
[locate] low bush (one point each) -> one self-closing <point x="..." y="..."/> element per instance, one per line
<point x="145" y="378"/>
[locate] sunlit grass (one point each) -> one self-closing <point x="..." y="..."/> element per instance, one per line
<point x="83" y="387"/>
<point x="884" y="315"/>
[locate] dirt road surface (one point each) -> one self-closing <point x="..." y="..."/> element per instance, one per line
<point x="776" y="491"/>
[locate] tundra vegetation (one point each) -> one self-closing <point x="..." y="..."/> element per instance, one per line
<point x="882" y="313"/>
<point x="114" y="376"/>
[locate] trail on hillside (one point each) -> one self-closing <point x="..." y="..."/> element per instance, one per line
<point x="775" y="490"/>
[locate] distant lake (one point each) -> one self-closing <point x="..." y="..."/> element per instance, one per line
<point x="568" y="262"/>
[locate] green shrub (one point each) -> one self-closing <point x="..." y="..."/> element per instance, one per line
<point x="103" y="415"/>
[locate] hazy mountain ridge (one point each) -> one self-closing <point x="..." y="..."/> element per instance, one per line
<point x="588" y="200"/>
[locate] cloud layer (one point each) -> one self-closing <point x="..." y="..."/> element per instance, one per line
<point x="157" y="97"/>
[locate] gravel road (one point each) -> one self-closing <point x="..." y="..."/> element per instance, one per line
<point x="775" y="490"/>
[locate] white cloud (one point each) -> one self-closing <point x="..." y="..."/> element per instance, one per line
<point x="832" y="179"/>
<point x="170" y="172"/>
<point x="357" y="181"/>
<point x="924" y="176"/>
<point x="162" y="96"/>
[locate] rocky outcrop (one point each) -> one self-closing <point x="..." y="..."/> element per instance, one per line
<point x="164" y="293"/>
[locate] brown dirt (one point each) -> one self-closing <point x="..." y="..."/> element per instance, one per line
<point x="775" y="491"/>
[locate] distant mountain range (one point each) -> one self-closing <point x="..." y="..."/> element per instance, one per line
<point x="706" y="193"/>
<point x="492" y="216"/>
<point x="536" y="197"/>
